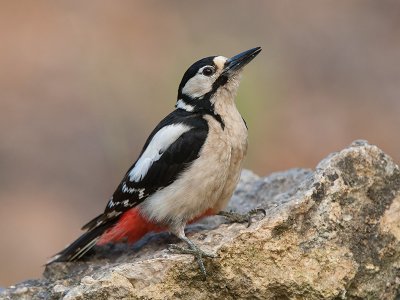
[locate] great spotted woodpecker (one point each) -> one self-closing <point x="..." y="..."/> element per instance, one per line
<point x="189" y="165"/>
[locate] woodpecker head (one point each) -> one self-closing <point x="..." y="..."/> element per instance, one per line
<point x="207" y="78"/>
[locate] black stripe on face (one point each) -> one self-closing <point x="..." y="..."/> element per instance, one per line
<point x="221" y="80"/>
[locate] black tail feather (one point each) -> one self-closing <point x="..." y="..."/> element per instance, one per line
<point x="93" y="223"/>
<point x="82" y="245"/>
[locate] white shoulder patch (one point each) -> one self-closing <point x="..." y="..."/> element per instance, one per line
<point x="158" y="144"/>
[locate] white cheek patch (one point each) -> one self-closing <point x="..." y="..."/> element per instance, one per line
<point x="219" y="61"/>
<point x="197" y="86"/>
<point x="159" y="143"/>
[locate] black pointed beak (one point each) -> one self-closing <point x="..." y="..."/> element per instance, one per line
<point x="237" y="62"/>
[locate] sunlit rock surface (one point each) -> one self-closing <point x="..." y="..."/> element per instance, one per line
<point x="332" y="233"/>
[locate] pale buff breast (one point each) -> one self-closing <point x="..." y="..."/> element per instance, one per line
<point x="234" y="137"/>
<point x="199" y="187"/>
<point x="236" y="132"/>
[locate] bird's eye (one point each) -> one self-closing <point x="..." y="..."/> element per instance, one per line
<point x="208" y="71"/>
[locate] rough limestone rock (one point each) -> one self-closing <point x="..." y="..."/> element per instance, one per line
<point x="329" y="234"/>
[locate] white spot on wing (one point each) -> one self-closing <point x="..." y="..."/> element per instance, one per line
<point x="141" y="193"/>
<point x="158" y="144"/>
<point x="126" y="189"/>
<point x="111" y="203"/>
<point x="113" y="214"/>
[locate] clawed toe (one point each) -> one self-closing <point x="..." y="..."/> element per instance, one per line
<point x="196" y="252"/>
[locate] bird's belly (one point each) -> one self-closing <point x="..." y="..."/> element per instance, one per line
<point x="237" y="136"/>
<point x="196" y="190"/>
<point x="231" y="180"/>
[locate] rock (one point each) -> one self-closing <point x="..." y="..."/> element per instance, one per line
<point x="329" y="234"/>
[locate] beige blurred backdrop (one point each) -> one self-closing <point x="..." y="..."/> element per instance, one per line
<point x="82" y="83"/>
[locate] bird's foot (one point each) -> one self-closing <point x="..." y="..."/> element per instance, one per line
<point x="234" y="217"/>
<point x="196" y="252"/>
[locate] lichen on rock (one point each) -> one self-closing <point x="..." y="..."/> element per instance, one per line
<point x="329" y="234"/>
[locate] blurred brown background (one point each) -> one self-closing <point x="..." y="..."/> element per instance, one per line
<point x="82" y="83"/>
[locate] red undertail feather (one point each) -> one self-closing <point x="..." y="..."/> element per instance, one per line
<point x="132" y="226"/>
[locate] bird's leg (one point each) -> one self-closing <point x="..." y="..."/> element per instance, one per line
<point x="234" y="217"/>
<point x="192" y="250"/>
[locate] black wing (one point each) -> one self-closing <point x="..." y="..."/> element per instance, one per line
<point x="173" y="161"/>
